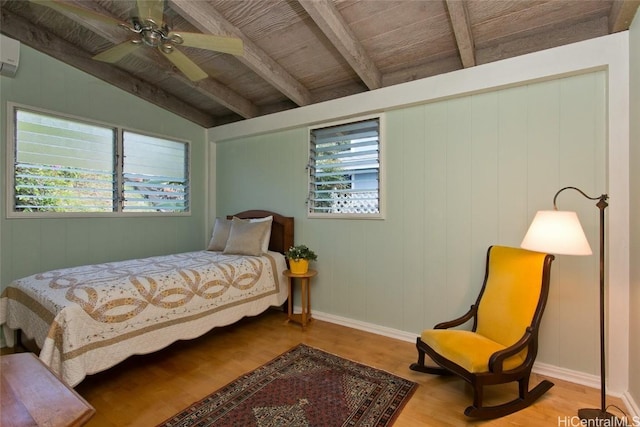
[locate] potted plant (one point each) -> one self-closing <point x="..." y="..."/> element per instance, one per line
<point x="299" y="257"/>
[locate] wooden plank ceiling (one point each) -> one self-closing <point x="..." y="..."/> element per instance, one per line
<point x="300" y="52"/>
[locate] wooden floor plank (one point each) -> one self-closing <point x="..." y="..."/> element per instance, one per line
<point x="146" y="390"/>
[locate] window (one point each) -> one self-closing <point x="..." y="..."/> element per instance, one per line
<point x="64" y="165"/>
<point x="344" y="170"/>
<point x="154" y="174"/>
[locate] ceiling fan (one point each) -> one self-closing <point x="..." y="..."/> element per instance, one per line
<point x="150" y="30"/>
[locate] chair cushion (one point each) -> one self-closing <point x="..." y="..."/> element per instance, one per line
<point x="511" y="294"/>
<point x="467" y="349"/>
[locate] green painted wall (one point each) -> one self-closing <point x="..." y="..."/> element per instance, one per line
<point x="461" y="174"/>
<point x="634" y="168"/>
<point x="29" y="246"/>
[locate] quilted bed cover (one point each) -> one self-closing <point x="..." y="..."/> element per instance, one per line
<point x="87" y="319"/>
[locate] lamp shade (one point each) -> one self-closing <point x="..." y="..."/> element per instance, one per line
<point x="556" y="232"/>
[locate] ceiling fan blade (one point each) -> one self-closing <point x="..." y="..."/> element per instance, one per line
<point x="223" y="44"/>
<point x="117" y="52"/>
<point x="78" y="11"/>
<point x="151" y="9"/>
<point x="184" y="64"/>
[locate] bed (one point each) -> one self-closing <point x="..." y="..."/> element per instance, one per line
<point x="87" y="319"/>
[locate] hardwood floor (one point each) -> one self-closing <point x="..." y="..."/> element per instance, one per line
<point x="146" y="390"/>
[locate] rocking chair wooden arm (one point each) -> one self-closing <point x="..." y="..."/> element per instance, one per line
<point x="497" y="359"/>
<point x="460" y="320"/>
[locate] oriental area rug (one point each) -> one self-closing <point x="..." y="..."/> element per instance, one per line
<point x="303" y="387"/>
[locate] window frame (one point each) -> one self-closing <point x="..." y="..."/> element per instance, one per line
<point x="118" y="181"/>
<point x="381" y="170"/>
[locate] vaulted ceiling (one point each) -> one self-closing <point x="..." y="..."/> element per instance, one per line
<point x="300" y="52"/>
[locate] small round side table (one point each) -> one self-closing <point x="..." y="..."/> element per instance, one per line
<point x="305" y="298"/>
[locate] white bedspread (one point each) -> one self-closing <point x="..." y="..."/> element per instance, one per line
<point x="87" y="319"/>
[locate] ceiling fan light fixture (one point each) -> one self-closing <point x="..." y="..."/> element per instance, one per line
<point x="150" y="24"/>
<point x="176" y="38"/>
<point x="152" y="38"/>
<point x="153" y="35"/>
<point x="129" y="28"/>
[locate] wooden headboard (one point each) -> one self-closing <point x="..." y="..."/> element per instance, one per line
<point x="281" y="228"/>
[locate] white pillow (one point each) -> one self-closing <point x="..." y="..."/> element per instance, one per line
<point x="267" y="237"/>
<point x="245" y="238"/>
<point x="220" y="234"/>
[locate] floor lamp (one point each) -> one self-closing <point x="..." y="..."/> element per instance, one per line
<point x="560" y="232"/>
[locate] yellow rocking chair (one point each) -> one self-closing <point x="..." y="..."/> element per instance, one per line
<point x="503" y="342"/>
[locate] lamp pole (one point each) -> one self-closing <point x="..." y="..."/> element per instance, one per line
<point x="588" y="413"/>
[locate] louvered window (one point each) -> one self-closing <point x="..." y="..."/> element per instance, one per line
<point x="155" y="174"/>
<point x="64" y="165"/>
<point x="344" y="170"/>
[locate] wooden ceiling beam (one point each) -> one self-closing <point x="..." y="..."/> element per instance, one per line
<point x="209" y="87"/>
<point x="621" y="15"/>
<point x="462" y="30"/>
<point x="559" y="34"/>
<point x="44" y="41"/>
<point x="208" y="20"/>
<point x="332" y="24"/>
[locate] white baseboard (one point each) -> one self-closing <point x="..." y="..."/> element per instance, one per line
<point x="632" y="407"/>
<point x="364" y="326"/>
<point x="592" y="381"/>
<point x="564" y="374"/>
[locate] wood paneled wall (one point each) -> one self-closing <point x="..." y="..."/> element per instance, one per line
<point x="461" y="174"/>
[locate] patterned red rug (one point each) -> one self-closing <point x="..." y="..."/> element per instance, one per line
<point x="303" y="387"/>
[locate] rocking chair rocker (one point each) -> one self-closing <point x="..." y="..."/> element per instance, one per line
<point x="503" y="342"/>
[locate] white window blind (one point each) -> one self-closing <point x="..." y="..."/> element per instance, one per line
<point x="344" y="169"/>
<point x="155" y="174"/>
<point x="62" y="165"/>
